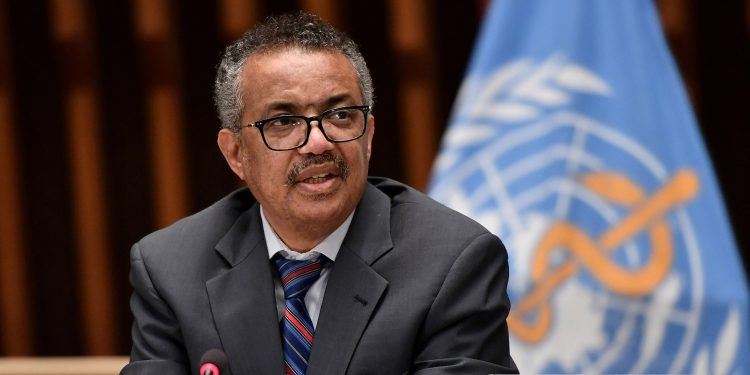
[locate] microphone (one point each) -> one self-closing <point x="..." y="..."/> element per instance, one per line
<point x="213" y="362"/>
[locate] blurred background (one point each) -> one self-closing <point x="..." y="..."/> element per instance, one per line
<point x="107" y="131"/>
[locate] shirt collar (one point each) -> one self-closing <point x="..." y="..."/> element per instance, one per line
<point x="329" y="246"/>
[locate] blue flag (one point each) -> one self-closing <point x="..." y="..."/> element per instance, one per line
<point x="573" y="140"/>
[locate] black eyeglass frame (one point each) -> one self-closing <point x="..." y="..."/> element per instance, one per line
<point x="319" y="118"/>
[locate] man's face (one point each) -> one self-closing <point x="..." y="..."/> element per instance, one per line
<point x="318" y="185"/>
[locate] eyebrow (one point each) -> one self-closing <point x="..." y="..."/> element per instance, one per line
<point x="294" y="108"/>
<point x="281" y="106"/>
<point x="335" y="100"/>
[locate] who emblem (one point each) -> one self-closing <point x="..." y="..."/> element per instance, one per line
<point x="605" y="271"/>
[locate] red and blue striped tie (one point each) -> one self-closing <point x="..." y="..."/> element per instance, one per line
<point x="297" y="276"/>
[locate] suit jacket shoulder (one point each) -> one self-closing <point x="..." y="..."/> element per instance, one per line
<point x="416" y="216"/>
<point x="430" y="291"/>
<point x="171" y="274"/>
<point x="205" y="227"/>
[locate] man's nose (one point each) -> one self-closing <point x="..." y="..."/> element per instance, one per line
<point x="316" y="142"/>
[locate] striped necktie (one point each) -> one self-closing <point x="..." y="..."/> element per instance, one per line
<point x="297" y="276"/>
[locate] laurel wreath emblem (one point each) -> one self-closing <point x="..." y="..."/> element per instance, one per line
<point x="516" y="93"/>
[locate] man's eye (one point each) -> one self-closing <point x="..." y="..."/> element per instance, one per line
<point x="341" y="115"/>
<point x="284" y="121"/>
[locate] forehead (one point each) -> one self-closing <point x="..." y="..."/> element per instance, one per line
<point x="298" y="75"/>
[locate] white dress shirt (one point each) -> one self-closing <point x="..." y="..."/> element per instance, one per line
<point x="329" y="247"/>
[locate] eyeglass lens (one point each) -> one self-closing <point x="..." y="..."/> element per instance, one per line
<point x="291" y="131"/>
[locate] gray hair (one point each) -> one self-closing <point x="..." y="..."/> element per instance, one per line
<point x="301" y="30"/>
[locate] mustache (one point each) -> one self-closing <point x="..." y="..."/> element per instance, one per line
<point x="339" y="163"/>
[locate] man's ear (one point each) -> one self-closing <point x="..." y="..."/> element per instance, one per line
<point x="370" y="134"/>
<point x="231" y="147"/>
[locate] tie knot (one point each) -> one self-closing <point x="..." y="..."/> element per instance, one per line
<point x="298" y="275"/>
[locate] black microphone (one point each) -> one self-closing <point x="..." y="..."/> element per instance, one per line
<point x="213" y="362"/>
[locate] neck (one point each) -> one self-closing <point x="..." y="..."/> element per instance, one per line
<point x="303" y="237"/>
<point x="298" y="243"/>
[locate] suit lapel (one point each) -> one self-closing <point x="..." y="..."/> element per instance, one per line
<point x="243" y="302"/>
<point x="354" y="288"/>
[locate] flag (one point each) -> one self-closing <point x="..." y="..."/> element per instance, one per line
<point x="573" y="140"/>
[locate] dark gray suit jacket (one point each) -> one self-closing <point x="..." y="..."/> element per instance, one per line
<point x="416" y="288"/>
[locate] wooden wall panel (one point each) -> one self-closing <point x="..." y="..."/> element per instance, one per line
<point x="677" y="18"/>
<point x="81" y="106"/>
<point x="237" y="16"/>
<point x="126" y="162"/>
<point x="329" y="10"/>
<point x="723" y="75"/>
<point x="453" y="50"/>
<point x="156" y="35"/>
<point x="368" y="23"/>
<point x="45" y="180"/>
<point x="410" y="35"/>
<point x="14" y="298"/>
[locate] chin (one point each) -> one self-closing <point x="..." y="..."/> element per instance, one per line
<point x="324" y="206"/>
<point x="321" y="197"/>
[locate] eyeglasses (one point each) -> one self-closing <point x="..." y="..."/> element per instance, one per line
<point x="288" y="132"/>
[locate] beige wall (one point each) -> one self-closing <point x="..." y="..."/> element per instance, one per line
<point x="62" y="365"/>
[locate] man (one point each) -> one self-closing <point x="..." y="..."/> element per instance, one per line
<point x="314" y="268"/>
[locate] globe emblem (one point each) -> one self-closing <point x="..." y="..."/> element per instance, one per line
<point x="549" y="175"/>
<point x="606" y="271"/>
